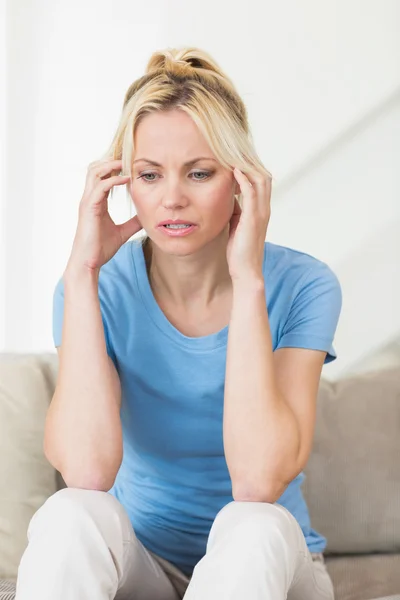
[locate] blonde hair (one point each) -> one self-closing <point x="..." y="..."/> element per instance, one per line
<point x="188" y="79"/>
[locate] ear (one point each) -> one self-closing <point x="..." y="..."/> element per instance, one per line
<point x="236" y="185"/>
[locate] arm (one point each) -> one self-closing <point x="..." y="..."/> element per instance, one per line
<point x="270" y="399"/>
<point x="83" y="433"/>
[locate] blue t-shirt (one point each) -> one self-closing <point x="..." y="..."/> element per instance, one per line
<point x="174" y="479"/>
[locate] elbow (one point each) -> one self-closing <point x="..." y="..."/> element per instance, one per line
<point x="262" y="488"/>
<point x="101" y="482"/>
<point x="251" y="493"/>
<point x="88" y="478"/>
<point x="91" y="476"/>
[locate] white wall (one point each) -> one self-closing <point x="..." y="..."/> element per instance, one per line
<point x="2" y="162"/>
<point x="347" y="200"/>
<point x="68" y="71"/>
<point x="319" y="80"/>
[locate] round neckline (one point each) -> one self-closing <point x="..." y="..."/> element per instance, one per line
<point x="205" y="343"/>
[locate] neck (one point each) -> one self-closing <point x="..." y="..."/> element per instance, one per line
<point x="186" y="280"/>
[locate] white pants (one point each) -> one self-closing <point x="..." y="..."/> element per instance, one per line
<point x="82" y="546"/>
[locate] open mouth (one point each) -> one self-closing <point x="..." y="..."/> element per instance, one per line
<point x="177" y="229"/>
<point x="180" y="226"/>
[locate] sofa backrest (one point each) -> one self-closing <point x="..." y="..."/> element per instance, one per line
<point x="352" y="483"/>
<point x="26" y="478"/>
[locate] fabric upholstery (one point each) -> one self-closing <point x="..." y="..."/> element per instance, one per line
<point x="365" y="577"/>
<point x="352" y="483"/>
<point x="26" y="477"/>
<point x="7" y="589"/>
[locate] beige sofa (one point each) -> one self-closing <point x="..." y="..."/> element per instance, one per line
<point x="352" y="479"/>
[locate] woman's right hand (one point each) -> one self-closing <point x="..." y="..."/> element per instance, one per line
<point x="97" y="237"/>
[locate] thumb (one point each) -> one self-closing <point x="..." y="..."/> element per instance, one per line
<point x="129" y="228"/>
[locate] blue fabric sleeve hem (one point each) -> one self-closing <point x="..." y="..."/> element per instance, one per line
<point x="311" y="342"/>
<point x="58" y="318"/>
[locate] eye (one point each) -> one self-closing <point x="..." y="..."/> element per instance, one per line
<point x="204" y="175"/>
<point x="146" y="175"/>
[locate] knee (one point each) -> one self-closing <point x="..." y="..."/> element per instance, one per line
<point x="259" y="514"/>
<point x="66" y="509"/>
<point x="252" y="523"/>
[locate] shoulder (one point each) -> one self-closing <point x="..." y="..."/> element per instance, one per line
<point x="294" y="269"/>
<point x="308" y="297"/>
<point x="118" y="279"/>
<point x="119" y="264"/>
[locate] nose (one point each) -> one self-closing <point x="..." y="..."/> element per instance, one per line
<point x="174" y="196"/>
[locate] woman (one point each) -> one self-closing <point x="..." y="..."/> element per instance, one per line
<point x="189" y="367"/>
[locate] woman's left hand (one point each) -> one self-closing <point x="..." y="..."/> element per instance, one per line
<point x="248" y="226"/>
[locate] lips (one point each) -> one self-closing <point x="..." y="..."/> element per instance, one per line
<point x="185" y="229"/>
<point x="178" y="222"/>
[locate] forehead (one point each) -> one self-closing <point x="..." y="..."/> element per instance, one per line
<point x="173" y="131"/>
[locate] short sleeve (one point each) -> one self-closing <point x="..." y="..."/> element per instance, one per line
<point x="314" y="314"/>
<point x="58" y="317"/>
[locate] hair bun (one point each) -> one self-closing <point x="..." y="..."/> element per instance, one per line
<point x="182" y="61"/>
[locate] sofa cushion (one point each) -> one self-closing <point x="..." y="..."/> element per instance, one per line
<point x="7" y="589"/>
<point x="352" y="483"/>
<point x="365" y="577"/>
<point x="27" y="479"/>
<point x="351" y="577"/>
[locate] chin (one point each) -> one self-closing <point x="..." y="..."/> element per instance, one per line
<point x="184" y="246"/>
<point x="177" y="248"/>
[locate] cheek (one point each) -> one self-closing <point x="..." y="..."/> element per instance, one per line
<point x="139" y="200"/>
<point x="221" y="203"/>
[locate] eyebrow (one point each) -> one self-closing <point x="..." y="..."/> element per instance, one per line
<point x="186" y="164"/>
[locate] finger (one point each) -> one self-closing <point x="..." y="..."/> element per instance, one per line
<point x="101" y="161"/>
<point x="247" y="189"/>
<point x="98" y="170"/>
<point x="264" y="186"/>
<point x="107" y="169"/>
<point x="129" y="228"/>
<point x="102" y="172"/>
<point x="105" y="162"/>
<point x="243" y="180"/>
<point x="102" y="188"/>
<point x="261" y="182"/>
<point x="261" y="190"/>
